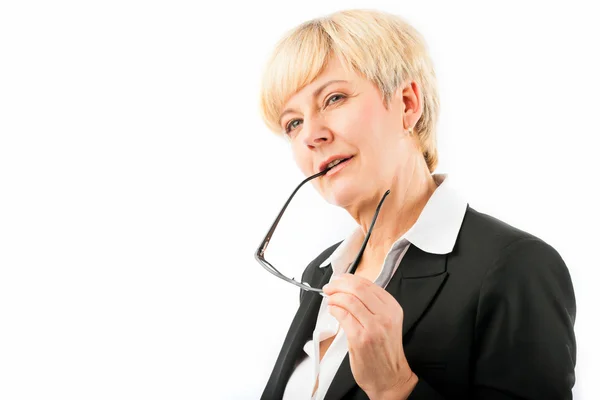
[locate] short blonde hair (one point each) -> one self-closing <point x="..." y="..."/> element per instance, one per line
<point x="381" y="47"/>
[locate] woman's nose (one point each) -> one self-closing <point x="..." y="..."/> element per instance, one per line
<point x="316" y="133"/>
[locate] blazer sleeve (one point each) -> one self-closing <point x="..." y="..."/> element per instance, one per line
<point x="525" y="343"/>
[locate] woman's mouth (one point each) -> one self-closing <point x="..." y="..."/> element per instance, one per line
<point x="341" y="165"/>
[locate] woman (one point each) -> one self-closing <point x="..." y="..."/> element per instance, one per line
<point x="444" y="302"/>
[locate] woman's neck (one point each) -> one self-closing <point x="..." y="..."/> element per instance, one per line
<point x="398" y="214"/>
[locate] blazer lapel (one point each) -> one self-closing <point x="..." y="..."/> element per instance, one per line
<point x="415" y="284"/>
<point x="300" y="331"/>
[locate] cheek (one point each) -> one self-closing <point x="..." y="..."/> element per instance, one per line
<point x="372" y="117"/>
<point x="363" y="123"/>
<point x="302" y="158"/>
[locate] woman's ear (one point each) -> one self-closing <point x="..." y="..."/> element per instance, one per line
<point x="412" y="101"/>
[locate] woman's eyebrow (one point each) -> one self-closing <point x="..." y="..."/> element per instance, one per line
<point x="316" y="93"/>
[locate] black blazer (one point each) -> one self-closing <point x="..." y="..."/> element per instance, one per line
<point x="493" y="319"/>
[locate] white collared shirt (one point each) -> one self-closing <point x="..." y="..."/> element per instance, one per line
<point x="435" y="231"/>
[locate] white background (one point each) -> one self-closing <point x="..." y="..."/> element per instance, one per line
<point x="137" y="179"/>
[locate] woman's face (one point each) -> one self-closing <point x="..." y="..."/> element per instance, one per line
<point x="341" y="115"/>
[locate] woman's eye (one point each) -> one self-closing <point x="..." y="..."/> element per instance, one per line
<point x="293" y="124"/>
<point x="334" y="99"/>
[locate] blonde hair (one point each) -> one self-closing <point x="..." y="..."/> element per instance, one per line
<point x="381" y="47"/>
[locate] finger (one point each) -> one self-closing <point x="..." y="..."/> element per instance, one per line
<point x="354" y="306"/>
<point x="383" y="295"/>
<point x="349" y="324"/>
<point x="359" y="287"/>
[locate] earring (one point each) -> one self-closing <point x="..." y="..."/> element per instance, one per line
<point x="410" y="131"/>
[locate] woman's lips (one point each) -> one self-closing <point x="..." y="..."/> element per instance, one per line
<point x="338" y="167"/>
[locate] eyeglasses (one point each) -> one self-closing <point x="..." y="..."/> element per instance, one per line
<point x="260" y="252"/>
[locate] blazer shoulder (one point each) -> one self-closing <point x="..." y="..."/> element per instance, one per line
<point x="497" y="249"/>
<point x="480" y="230"/>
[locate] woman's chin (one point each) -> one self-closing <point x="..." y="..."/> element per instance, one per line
<point x="341" y="196"/>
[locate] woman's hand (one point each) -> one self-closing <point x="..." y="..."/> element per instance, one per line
<point x="372" y="320"/>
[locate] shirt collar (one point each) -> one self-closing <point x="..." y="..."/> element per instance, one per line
<point x="435" y="231"/>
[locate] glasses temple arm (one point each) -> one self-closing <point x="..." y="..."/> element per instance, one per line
<point x="364" y="244"/>
<point x="263" y="246"/>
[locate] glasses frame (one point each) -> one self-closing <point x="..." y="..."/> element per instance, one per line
<point x="259" y="255"/>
